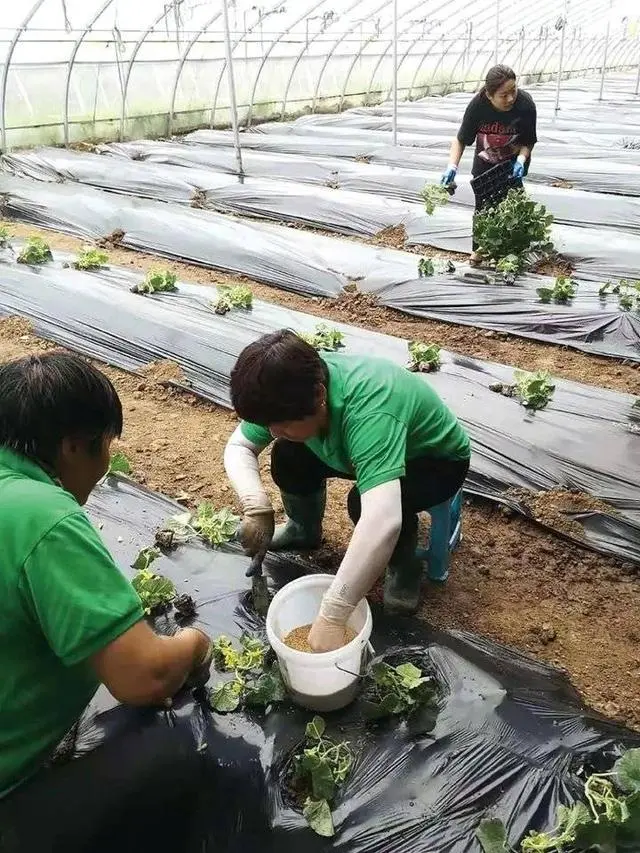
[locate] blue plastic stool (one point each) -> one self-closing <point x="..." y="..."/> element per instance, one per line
<point x="446" y="521"/>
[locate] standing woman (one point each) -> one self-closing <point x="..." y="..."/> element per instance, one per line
<point x="501" y="120"/>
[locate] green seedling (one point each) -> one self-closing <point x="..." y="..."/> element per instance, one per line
<point x="394" y="690"/>
<point x="232" y="297"/>
<point x="563" y="290"/>
<point x="119" y="464"/>
<point x="510" y="267"/>
<point x="324" y="338"/>
<point x="533" y="390"/>
<point x="430" y="266"/>
<point x="317" y="772"/>
<point x="255" y="683"/>
<point x="4" y="237"/>
<point x="424" y="358"/>
<point x="90" y="259"/>
<point x="214" y="526"/>
<point x="515" y="228"/>
<point x="157" y="281"/>
<point x="145" y="558"/>
<point x="426" y="268"/>
<point x="35" y="252"/>
<point x="628" y="293"/>
<point x="608" y="816"/>
<point x="156" y="592"/>
<point x="434" y="195"/>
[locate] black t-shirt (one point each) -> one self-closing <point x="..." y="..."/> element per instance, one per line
<point x="498" y="135"/>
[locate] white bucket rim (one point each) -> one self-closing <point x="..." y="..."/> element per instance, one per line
<point x="278" y="645"/>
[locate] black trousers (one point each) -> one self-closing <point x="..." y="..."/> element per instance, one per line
<point x="140" y="791"/>
<point x="428" y="482"/>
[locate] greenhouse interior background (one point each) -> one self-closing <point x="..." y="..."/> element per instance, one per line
<point x="78" y="70"/>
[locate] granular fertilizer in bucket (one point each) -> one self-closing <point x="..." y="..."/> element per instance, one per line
<point x="298" y="639"/>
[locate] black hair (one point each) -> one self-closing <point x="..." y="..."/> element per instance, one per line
<point x="496" y="77"/>
<point x="276" y="379"/>
<point x="47" y="398"/>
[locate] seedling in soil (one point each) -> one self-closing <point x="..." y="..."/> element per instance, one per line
<point x="429" y="266"/>
<point x="628" y="293"/>
<point x="425" y="358"/>
<point x="434" y="195"/>
<point x="214" y="526"/>
<point x="510" y="266"/>
<point x="533" y="390"/>
<point x="35" y="252"/>
<point x="232" y="297"/>
<point x="119" y="464"/>
<point x="157" y="282"/>
<point x="4" y="237"/>
<point x="90" y="259"/>
<point x="515" y="227"/>
<point x="184" y="608"/>
<point x="324" y="338"/>
<point x="402" y="689"/>
<point x="609" y="816"/>
<point x="563" y="290"/>
<point x="255" y="682"/>
<point x="317" y="772"/>
<point x="156" y="592"/>
<point x="145" y="558"/>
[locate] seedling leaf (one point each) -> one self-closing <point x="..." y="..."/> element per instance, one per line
<point x="492" y="836"/>
<point x="434" y="195"/>
<point x="155" y="592"/>
<point x="157" y="281"/>
<point x="315" y="729"/>
<point x="396" y="690"/>
<point x="225" y="697"/>
<point x="627" y="771"/>
<point x="90" y="259"/>
<point x="145" y="558"/>
<point x="4" y="237"/>
<point x="237" y="296"/>
<point x="515" y="228"/>
<point x="324" y="338"/>
<point x="36" y="251"/>
<point x="119" y="464"/>
<point x="424" y="358"/>
<point x="318" y="815"/>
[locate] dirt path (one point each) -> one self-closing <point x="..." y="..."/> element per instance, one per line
<point x="510" y="580"/>
<point x="361" y="311"/>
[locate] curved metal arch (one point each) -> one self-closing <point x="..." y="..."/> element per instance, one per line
<point x="336" y="44"/>
<point x="276" y="41"/>
<point x="72" y="58"/>
<point x="298" y="59"/>
<point x="5" y="71"/>
<point x="390" y="42"/>
<point x="181" y="63"/>
<point x="239" y="41"/>
<point x="170" y="7"/>
<point x="457" y="62"/>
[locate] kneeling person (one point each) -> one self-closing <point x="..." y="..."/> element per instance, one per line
<point x="355" y="418"/>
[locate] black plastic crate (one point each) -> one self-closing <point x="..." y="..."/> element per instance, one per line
<point x="493" y="185"/>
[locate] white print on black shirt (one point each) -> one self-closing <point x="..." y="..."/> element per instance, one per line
<point x="496" y="142"/>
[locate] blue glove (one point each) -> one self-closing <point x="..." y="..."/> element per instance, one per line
<point x="518" y="169"/>
<point x="449" y="176"/>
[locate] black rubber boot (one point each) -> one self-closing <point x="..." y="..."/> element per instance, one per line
<point x="302" y="531"/>
<point x="403" y="578"/>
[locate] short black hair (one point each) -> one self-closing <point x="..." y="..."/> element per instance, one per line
<point x="276" y="379"/>
<point x="496" y="77"/>
<point x="47" y="398"/>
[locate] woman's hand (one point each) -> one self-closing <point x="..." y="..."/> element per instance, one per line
<point x="326" y="635"/>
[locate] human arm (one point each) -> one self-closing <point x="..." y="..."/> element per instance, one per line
<point x="243" y="470"/>
<point x="143" y="668"/>
<point x="455" y="155"/>
<point x="370" y="549"/>
<point x="528" y="138"/>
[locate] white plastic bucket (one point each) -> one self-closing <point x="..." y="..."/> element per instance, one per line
<point x="325" y="681"/>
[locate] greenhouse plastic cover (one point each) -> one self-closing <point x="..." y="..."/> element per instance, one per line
<point x="509" y="736"/>
<point x="585" y="440"/>
<point x="315" y="265"/>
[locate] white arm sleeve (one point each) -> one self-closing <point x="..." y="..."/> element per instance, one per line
<point x="369" y="551"/>
<point x="241" y="465"/>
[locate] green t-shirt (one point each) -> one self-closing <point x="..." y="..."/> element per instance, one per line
<point x="380" y="416"/>
<point x="63" y="598"/>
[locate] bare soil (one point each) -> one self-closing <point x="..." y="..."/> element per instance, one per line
<point x="510" y="580"/>
<point x="363" y="310"/>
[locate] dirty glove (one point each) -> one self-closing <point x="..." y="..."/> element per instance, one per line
<point x="518" y="167"/>
<point x="256" y="530"/>
<point x="326" y="635"/>
<point x="449" y="176"/>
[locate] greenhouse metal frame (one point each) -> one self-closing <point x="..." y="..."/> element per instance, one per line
<point x="72" y="70"/>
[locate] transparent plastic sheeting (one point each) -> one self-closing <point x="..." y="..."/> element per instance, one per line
<point x="585" y="439"/>
<point x="315" y="265"/>
<point x="509" y="736"/>
<point x="361" y="207"/>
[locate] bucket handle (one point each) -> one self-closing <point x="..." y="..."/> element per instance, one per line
<point x="370" y="653"/>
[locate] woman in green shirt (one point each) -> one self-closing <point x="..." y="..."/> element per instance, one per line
<point x="352" y="417"/>
<point x="70" y="622"/>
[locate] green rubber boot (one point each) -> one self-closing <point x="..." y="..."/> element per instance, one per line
<point x="403" y="578"/>
<point x="302" y="531"/>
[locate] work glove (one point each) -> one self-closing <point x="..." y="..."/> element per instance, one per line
<point x="256" y="530"/>
<point x="449" y="176"/>
<point x="518" y="167"/>
<point x="326" y="635"/>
